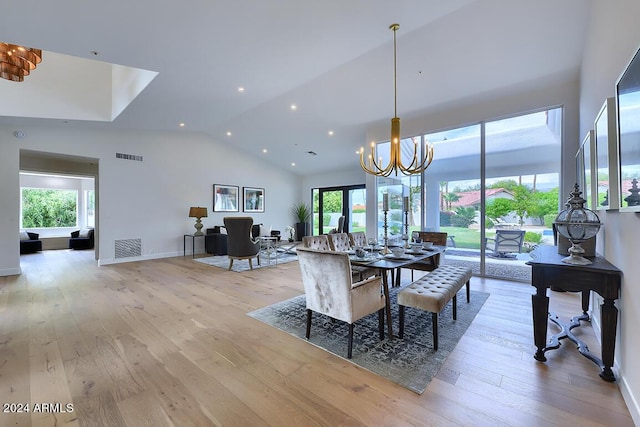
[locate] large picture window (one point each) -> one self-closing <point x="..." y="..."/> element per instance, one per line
<point x="49" y="208"/>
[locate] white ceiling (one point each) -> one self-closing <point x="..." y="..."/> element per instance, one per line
<point x="333" y="59"/>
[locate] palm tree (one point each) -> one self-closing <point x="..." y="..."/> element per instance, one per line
<point x="450" y="198"/>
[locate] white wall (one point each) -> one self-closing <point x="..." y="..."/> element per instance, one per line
<point x="150" y="199"/>
<point x="614" y="36"/>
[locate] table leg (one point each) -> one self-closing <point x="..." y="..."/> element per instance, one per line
<point x="540" y="304"/>
<point x="184" y="246"/>
<point x="193" y="247"/>
<point x="609" y="318"/>
<point x="387" y="300"/>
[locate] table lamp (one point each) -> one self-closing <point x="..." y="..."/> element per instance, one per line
<point x="198" y="212"/>
<point x="577" y="224"/>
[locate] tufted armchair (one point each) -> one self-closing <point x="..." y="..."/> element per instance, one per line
<point x="329" y="290"/>
<point x="240" y="245"/>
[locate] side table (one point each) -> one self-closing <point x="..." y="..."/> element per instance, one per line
<point x="602" y="277"/>
<point x="193" y="244"/>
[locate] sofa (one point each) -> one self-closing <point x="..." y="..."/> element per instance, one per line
<point x="82" y="239"/>
<point x="30" y="242"/>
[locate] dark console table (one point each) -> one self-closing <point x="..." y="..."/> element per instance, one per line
<point x="602" y="277"/>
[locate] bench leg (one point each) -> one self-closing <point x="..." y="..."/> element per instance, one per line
<point x="467" y="285"/>
<point x="434" y="321"/>
<point x="454" y="301"/>
<point x="401" y="315"/>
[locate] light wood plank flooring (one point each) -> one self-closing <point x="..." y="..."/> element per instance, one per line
<point x="168" y="343"/>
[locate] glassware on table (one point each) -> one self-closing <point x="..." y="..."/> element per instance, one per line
<point x="372" y="242"/>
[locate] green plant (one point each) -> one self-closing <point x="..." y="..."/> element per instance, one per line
<point x="532" y="237"/>
<point x="301" y="211"/>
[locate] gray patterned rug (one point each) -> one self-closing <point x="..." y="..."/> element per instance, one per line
<point x="240" y="265"/>
<point x="410" y="362"/>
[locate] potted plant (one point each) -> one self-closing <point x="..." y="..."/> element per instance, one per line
<point x="302" y="212"/>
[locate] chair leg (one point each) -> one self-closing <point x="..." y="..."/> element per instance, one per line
<point x="230" y="263"/>
<point x="454" y="301"/>
<point x="434" y="321"/>
<point x="381" y="323"/>
<point x="401" y="315"/>
<point x="467" y="285"/>
<point x="350" y="340"/>
<point x="250" y="264"/>
<point x="308" y="323"/>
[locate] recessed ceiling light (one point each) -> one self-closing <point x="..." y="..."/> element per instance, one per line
<point x="293" y="164"/>
<point x="294" y="107"/>
<point x="228" y="133"/>
<point x="240" y="89"/>
<point x="181" y="125"/>
<point x="264" y="150"/>
<point x="330" y="133"/>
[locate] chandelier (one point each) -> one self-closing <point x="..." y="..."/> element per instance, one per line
<point x="417" y="165"/>
<point x="16" y="62"/>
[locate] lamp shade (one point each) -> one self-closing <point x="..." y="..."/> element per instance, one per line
<point x="197" y="212"/>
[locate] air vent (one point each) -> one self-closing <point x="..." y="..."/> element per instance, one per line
<point x="128" y="248"/>
<point x="313" y="153"/>
<point x="128" y="157"/>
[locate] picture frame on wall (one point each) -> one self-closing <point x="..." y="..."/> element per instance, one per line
<point x="225" y="198"/>
<point x="606" y="157"/>
<point x="590" y="179"/>
<point x="253" y="199"/>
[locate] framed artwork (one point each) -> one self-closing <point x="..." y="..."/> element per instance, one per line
<point x="253" y="200"/>
<point x="628" y="103"/>
<point x="588" y="147"/>
<point x="606" y="157"/>
<point x="225" y="198"/>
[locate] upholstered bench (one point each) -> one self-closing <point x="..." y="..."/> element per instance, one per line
<point x="432" y="292"/>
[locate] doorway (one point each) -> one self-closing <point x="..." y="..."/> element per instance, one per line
<point x="330" y="203"/>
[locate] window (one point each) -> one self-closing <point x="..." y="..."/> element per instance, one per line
<point x="90" y="207"/>
<point x="49" y="208"/>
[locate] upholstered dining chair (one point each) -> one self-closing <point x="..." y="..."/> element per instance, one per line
<point x="320" y="242"/>
<point x="437" y="238"/>
<point x="240" y="245"/>
<point x="358" y="239"/>
<point x="342" y="243"/>
<point x="330" y="290"/>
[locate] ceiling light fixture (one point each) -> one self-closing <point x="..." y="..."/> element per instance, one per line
<point x="395" y="162"/>
<point x="16" y="62"/>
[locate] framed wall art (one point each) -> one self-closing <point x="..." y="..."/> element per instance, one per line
<point x="588" y="188"/>
<point x="628" y="109"/>
<point x="253" y="199"/>
<point x="225" y="198"/>
<point x="606" y="157"/>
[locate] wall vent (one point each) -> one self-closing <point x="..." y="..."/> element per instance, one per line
<point x="128" y="248"/>
<point x="128" y="157"/>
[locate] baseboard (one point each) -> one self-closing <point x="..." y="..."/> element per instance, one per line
<point x="10" y="272"/>
<point x="108" y="261"/>
<point x="629" y="399"/>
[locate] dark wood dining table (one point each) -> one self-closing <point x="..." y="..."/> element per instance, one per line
<point x="393" y="265"/>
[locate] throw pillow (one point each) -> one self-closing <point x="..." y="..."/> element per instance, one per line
<point x="264" y="231"/>
<point x="84" y="232"/>
<point x="24" y="235"/>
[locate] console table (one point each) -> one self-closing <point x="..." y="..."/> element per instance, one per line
<point x="602" y="277"/>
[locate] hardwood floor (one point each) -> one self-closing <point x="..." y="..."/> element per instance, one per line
<point x="168" y="343"/>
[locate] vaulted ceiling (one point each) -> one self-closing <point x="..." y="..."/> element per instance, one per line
<point x="331" y="59"/>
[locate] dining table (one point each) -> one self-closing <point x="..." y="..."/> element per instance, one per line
<point x="393" y="264"/>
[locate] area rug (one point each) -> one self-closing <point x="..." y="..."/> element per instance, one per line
<point x="410" y="362"/>
<point x="240" y="265"/>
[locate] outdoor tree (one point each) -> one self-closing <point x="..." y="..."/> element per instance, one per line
<point x="499" y="207"/>
<point x="450" y="198"/>
<point x="48" y="208"/>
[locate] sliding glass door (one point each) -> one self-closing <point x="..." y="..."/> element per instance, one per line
<point x="329" y="204"/>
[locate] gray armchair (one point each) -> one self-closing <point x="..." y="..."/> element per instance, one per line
<point x="240" y="245"/>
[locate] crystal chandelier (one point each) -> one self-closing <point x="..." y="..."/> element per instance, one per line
<point x="417" y="165"/>
<point x="16" y="62"/>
